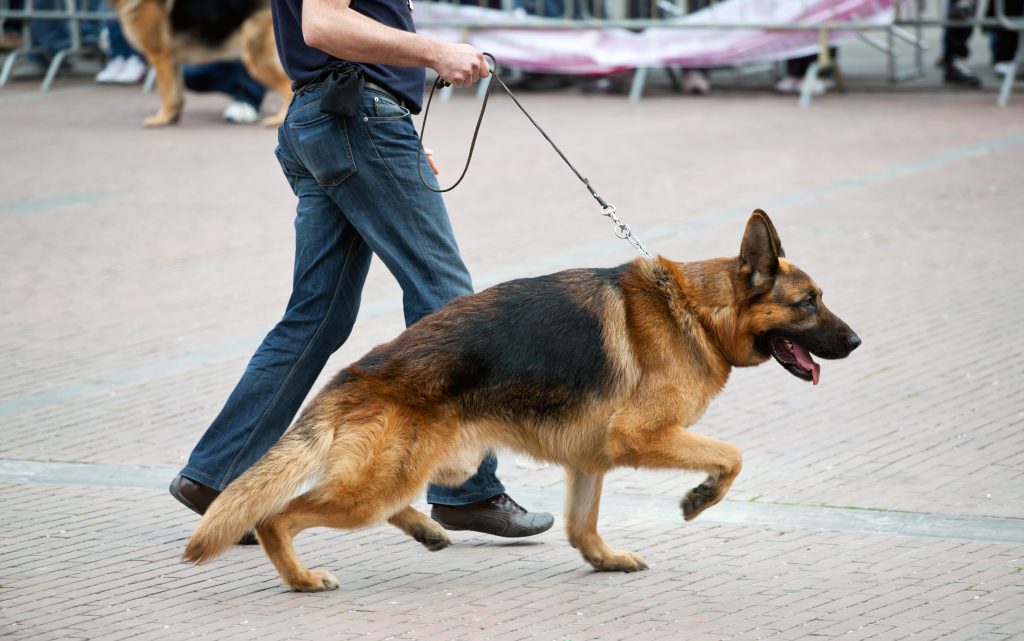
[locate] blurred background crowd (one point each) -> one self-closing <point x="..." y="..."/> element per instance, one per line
<point x="91" y="41"/>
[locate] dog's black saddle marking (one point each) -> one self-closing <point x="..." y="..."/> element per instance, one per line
<point x="211" y="22"/>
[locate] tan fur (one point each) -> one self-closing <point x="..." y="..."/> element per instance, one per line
<point x="147" y="27"/>
<point x="671" y="334"/>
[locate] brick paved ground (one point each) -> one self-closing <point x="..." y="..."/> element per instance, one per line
<point x="140" y="269"/>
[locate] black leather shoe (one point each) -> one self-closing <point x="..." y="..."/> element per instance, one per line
<point x="957" y="73"/>
<point x="197" y="497"/>
<point x="498" y="515"/>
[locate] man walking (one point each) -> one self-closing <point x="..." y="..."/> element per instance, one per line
<point x="357" y="180"/>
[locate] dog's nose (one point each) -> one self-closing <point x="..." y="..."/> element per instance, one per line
<point x="852" y="341"/>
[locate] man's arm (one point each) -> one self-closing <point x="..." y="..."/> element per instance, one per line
<point x="332" y="26"/>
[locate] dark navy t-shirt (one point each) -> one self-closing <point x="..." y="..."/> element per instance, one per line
<point x="303" y="63"/>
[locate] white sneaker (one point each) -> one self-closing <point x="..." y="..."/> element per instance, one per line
<point x="241" y="113"/>
<point x="794" y="84"/>
<point x="696" y="82"/>
<point x="789" y="84"/>
<point x="132" y="72"/>
<point x="1001" y="69"/>
<point x="112" y="70"/>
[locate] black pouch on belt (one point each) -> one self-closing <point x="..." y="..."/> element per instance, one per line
<point x="342" y="88"/>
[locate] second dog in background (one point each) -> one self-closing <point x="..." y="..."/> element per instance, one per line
<point x="170" y="34"/>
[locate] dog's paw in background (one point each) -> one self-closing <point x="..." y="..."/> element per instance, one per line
<point x="161" y="119"/>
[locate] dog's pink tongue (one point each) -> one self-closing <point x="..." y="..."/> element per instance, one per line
<point x="803" y="357"/>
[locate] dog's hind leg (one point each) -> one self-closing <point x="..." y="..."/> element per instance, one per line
<point x="582" y="502"/>
<point x="259" y="54"/>
<point x="680" y="448"/>
<point x="420" y="527"/>
<point x="276" y="538"/>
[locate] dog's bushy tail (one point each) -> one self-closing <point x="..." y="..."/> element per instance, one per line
<point x="263" y="491"/>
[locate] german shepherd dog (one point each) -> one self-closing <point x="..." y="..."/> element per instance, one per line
<point x="172" y="32"/>
<point x="592" y="369"/>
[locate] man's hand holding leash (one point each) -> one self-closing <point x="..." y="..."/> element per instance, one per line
<point x="333" y="26"/>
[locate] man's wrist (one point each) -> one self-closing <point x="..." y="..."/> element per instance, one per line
<point x="430" y="52"/>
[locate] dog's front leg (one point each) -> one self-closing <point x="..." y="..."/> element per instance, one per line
<point x="581" y="507"/>
<point x="147" y="28"/>
<point x="680" y="448"/>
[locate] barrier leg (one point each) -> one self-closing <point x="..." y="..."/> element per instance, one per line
<point x="51" y="72"/>
<point x="1011" y="77"/>
<point x="807" y="87"/>
<point x="673" y="76"/>
<point x="147" y="86"/>
<point x="636" y="91"/>
<point x="8" y="68"/>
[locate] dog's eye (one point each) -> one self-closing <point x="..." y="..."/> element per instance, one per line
<point x="811" y="303"/>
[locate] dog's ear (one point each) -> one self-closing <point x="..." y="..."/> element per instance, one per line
<point x="771" y="229"/>
<point x="759" y="253"/>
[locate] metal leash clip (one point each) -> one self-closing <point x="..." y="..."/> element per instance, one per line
<point x="623" y="231"/>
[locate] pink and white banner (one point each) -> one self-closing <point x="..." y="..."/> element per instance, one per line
<point x="606" y="50"/>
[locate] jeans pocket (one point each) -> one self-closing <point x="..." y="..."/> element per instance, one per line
<point x="385" y="108"/>
<point x="397" y="144"/>
<point x="321" y="143"/>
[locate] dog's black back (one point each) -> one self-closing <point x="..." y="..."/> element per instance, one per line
<point x="211" y="22"/>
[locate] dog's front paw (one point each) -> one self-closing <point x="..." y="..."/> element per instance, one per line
<point x="433" y="540"/>
<point x="273" y="121"/>
<point x="618" y="561"/>
<point x="316" y="581"/>
<point x="161" y="119"/>
<point x="699" y="499"/>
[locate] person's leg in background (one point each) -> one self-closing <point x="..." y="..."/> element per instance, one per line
<point x="49" y="35"/>
<point x="955" y="50"/>
<point x="231" y="78"/>
<point x="1004" y="42"/>
<point x="796" y="69"/>
<point x="10" y="33"/>
<point x="125" y="66"/>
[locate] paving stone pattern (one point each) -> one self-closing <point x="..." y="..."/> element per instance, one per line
<point x="141" y="269"/>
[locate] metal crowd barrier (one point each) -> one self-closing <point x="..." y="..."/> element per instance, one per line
<point x="888" y="37"/>
<point x="905" y="29"/>
<point x="66" y="10"/>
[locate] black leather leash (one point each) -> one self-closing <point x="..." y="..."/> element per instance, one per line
<point x="622" y="230"/>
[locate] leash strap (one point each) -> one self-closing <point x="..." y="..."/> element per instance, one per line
<point x="622" y="230"/>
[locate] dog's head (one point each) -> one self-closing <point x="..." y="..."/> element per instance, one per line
<point x="784" y="315"/>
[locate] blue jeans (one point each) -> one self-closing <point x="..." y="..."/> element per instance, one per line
<point x="54" y="35"/>
<point x="359" y="194"/>
<point x="228" y="77"/>
<point x="119" y="46"/>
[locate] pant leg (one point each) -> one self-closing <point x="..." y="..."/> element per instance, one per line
<point x="119" y="47"/>
<point x="407" y="226"/>
<point x="14" y="25"/>
<point x="405" y="223"/>
<point x="50" y="35"/>
<point x="954" y="40"/>
<point x="331" y="262"/>
<point x="224" y="77"/>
